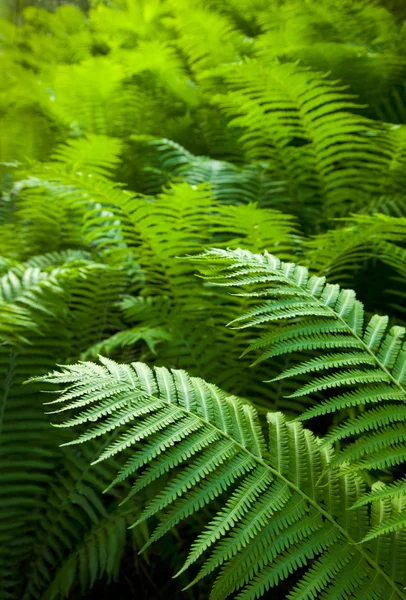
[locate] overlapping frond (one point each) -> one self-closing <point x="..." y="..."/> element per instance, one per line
<point x="96" y="154"/>
<point x="357" y="42"/>
<point x="199" y="35"/>
<point x="40" y="297"/>
<point x="80" y="294"/>
<point x="53" y="526"/>
<point x="28" y="454"/>
<point x="280" y="514"/>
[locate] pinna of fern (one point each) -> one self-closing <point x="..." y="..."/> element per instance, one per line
<point x="283" y="511"/>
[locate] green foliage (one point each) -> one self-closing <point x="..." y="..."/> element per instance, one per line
<point x="252" y="136"/>
<point x="301" y="313"/>
<point x="279" y="511"/>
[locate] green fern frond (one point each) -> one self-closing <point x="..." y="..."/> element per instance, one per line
<point x="349" y="22"/>
<point x="199" y="34"/>
<point x="28" y="454"/>
<point x="303" y="125"/>
<point x="358" y="42"/>
<point x="97" y="154"/>
<point x="151" y="336"/>
<point x="78" y="535"/>
<point x="366" y="244"/>
<point x="27" y="297"/>
<point x="54" y="298"/>
<point x="344" y="250"/>
<point x="230" y="183"/>
<point x="392" y="109"/>
<point x="280" y="513"/>
<point x="304" y="313"/>
<point x="33" y="299"/>
<point x="99" y="554"/>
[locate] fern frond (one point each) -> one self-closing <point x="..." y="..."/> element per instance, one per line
<point x="207" y="37"/>
<point x="343" y="251"/>
<point x="276" y="514"/>
<point x="303" y="125"/>
<point x="78" y="535"/>
<point x="230" y="183"/>
<point x="28" y="455"/>
<point x="358" y="43"/>
<point x="97" y="154"/>
<point x="28" y="296"/>
<point x="99" y="554"/>
<point x="306" y="313"/>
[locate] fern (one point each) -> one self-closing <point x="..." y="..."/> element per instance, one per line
<point x="123" y="227"/>
<point x="40" y="297"/>
<point x="230" y="183"/>
<point x="78" y="536"/>
<point x="286" y="104"/>
<point x="340" y="251"/>
<point x="97" y="154"/>
<point x="280" y="513"/>
<point x="305" y="313"/>
<point x="138" y="133"/>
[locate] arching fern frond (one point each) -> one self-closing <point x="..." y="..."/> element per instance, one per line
<point x="99" y="554"/>
<point x="358" y="42"/>
<point x="29" y="297"/>
<point x="230" y="183"/>
<point x="367" y="253"/>
<point x="27" y="460"/>
<point x="364" y="363"/>
<point x="88" y="98"/>
<point x="257" y="229"/>
<point x="306" y="127"/>
<point x="80" y="294"/>
<point x="97" y="154"/>
<point x="279" y="514"/>
<point x="74" y="300"/>
<point x="206" y="37"/>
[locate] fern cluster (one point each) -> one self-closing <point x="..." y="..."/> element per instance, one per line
<point x="168" y="170"/>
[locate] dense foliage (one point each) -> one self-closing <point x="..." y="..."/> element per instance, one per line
<point x="170" y="168"/>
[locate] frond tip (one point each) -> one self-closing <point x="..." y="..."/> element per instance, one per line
<point x="277" y="509"/>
